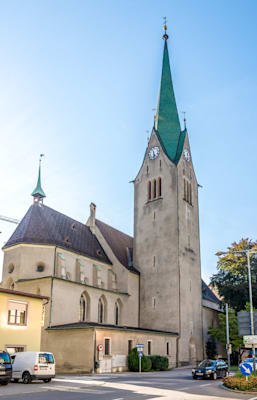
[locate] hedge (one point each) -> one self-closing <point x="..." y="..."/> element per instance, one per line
<point x="159" y="363"/>
<point x="240" y="383"/>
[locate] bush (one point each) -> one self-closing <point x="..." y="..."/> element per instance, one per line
<point x="159" y="363"/>
<point x="133" y="361"/>
<point x="240" y="383"/>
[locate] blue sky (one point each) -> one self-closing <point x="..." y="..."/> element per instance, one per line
<point x="79" y="80"/>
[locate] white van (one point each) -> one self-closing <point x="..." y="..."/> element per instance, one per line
<point x="31" y="365"/>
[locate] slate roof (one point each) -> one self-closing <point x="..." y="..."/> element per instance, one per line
<point x="43" y="225"/>
<point x="120" y="243"/>
<point x="208" y="294"/>
<point x="85" y="325"/>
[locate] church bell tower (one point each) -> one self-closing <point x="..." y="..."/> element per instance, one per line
<point x="166" y="228"/>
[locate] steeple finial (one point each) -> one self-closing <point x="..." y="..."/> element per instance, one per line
<point x="165" y="36"/>
<point x="185" y="120"/>
<point x="38" y="192"/>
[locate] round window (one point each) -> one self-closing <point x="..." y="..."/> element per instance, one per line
<point x="40" y="268"/>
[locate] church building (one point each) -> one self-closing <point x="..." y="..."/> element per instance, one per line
<point x="109" y="291"/>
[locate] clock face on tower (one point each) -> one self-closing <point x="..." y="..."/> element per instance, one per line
<point x="187" y="155"/>
<point x="154" y="152"/>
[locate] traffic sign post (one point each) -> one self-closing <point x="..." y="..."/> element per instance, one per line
<point x="140" y="349"/>
<point x="246" y="369"/>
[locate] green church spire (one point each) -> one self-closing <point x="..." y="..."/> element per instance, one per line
<point x="38" y="192"/>
<point x="167" y="122"/>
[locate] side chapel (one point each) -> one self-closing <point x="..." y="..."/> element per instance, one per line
<point x="108" y="288"/>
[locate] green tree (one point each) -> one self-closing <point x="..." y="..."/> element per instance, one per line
<point x="231" y="280"/>
<point x="219" y="333"/>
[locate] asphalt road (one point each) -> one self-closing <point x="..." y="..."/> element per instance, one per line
<point x="175" y="385"/>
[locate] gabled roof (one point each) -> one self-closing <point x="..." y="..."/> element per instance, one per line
<point x="43" y="225"/>
<point x="167" y="125"/>
<point x="208" y="294"/>
<point x="120" y="243"/>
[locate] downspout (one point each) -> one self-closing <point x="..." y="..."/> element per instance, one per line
<point x="51" y="294"/>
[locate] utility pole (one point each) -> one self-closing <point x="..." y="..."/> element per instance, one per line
<point x="227" y="332"/>
<point x="251" y="307"/>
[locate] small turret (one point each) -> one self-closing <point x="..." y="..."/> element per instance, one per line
<point x="38" y="192"/>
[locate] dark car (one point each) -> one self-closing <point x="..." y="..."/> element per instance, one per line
<point x="210" y="369"/>
<point x="5" y="368"/>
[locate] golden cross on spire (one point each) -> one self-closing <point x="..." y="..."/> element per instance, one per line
<point x="165" y="36"/>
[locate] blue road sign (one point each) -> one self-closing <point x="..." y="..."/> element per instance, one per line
<point x="246" y="369"/>
<point x="140" y="353"/>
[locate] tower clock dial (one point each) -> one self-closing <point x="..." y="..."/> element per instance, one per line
<point x="187" y="155"/>
<point x="154" y="152"/>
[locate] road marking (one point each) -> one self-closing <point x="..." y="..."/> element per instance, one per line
<point x="253" y="398"/>
<point x="206" y="384"/>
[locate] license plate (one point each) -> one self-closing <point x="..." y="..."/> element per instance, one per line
<point x="199" y="373"/>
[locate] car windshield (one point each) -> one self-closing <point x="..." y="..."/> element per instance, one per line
<point x="248" y="360"/>
<point x="45" y="358"/>
<point x="4" y="358"/>
<point x="206" y="363"/>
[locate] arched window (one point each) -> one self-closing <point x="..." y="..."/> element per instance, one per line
<point x="102" y="310"/>
<point x="149" y="195"/>
<point x="159" y="187"/>
<point x="154" y="189"/>
<point x="11" y="268"/>
<point x="84" y="307"/>
<point x="117" y="312"/>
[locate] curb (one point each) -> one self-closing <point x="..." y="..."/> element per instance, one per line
<point x="236" y="391"/>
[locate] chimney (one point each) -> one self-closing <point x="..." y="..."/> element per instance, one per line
<point x="92" y="217"/>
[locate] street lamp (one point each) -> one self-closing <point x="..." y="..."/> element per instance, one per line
<point x="248" y="252"/>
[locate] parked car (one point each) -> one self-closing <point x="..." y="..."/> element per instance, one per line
<point x="29" y="366"/>
<point x="210" y="369"/>
<point x="5" y="368"/>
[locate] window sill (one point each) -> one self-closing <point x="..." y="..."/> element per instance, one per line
<point x="152" y="200"/>
<point x="190" y="204"/>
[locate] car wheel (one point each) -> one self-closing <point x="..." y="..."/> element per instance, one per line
<point x="16" y="380"/>
<point x="194" y="377"/>
<point x="4" y="383"/>
<point x="26" y="378"/>
<point x="47" y="380"/>
<point x="214" y="376"/>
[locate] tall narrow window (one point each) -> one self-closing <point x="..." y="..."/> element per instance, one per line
<point x="149" y="347"/>
<point x="107" y="347"/>
<point x="83" y="308"/>
<point x="130" y="345"/>
<point x="116" y="312"/>
<point x="167" y="349"/>
<point x="100" y="311"/>
<point x="190" y="193"/>
<point x="149" y="196"/>
<point x="154" y="189"/>
<point x="185" y="194"/>
<point x="159" y="187"/>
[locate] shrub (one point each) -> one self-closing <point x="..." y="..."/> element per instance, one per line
<point x="133" y="361"/>
<point x="240" y="383"/>
<point x="159" y="363"/>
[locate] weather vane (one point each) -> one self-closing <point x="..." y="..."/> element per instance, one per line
<point x="40" y="157"/>
<point x="165" y="36"/>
